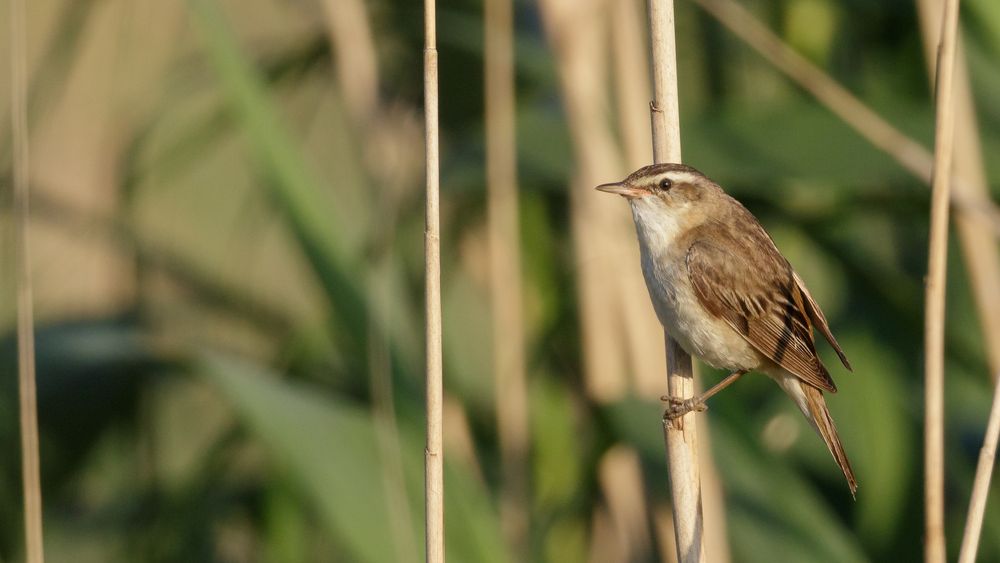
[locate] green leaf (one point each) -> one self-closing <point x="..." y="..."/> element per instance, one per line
<point x="872" y="413"/>
<point x="329" y="448"/>
<point x="310" y="213"/>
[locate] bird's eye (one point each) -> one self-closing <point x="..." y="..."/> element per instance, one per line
<point x="665" y="184"/>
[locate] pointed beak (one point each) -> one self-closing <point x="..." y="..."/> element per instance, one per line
<point x="621" y="189"/>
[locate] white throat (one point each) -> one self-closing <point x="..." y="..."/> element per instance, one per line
<point x="657" y="228"/>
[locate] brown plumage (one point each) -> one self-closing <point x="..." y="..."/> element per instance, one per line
<point x="739" y="276"/>
<point x="726" y="294"/>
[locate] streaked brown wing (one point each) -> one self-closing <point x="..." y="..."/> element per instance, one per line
<point x="744" y="281"/>
<point x="819" y="321"/>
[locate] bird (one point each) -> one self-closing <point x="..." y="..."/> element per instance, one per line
<point x="722" y="289"/>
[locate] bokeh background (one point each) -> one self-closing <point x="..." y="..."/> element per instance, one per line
<point x="227" y="232"/>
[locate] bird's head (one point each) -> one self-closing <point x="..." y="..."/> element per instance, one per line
<point x="668" y="185"/>
<point x="669" y="196"/>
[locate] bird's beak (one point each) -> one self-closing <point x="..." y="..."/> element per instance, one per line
<point x="622" y="189"/>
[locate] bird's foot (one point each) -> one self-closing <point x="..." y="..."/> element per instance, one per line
<point x="677" y="408"/>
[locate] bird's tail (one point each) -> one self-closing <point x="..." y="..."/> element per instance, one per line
<point x="821" y="420"/>
<point x="812" y="404"/>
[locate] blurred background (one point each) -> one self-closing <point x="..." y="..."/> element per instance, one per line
<point x="227" y="238"/>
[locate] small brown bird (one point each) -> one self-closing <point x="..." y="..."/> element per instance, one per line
<point x="725" y="293"/>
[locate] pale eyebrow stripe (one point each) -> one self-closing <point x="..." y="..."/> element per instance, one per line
<point x="683" y="177"/>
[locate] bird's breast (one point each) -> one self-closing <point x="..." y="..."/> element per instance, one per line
<point x="681" y="313"/>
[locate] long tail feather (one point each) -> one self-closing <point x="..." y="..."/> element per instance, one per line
<point x="812" y="404"/>
<point x="823" y="423"/>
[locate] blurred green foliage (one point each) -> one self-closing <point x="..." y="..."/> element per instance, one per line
<point x="236" y="419"/>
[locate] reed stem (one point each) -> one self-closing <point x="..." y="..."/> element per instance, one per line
<point x="680" y="436"/>
<point x="937" y="261"/>
<point x="981" y="483"/>
<point x="510" y="385"/>
<point x="434" y="454"/>
<point x="30" y="464"/>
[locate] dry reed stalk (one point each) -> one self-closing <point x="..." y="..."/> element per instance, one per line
<point x="577" y="34"/>
<point x="981" y="483"/>
<point x="510" y="386"/>
<point x="30" y="465"/>
<point x="610" y="296"/>
<point x="713" y="495"/>
<point x="977" y="217"/>
<point x="353" y="45"/>
<point x="604" y="544"/>
<point x="632" y="93"/>
<point x="632" y="90"/>
<point x="620" y="475"/>
<point x="433" y="454"/>
<point x="978" y="246"/>
<point x="937" y="262"/>
<point x="981" y="259"/>
<point x="663" y="523"/>
<point x="680" y="436"/>
<point x="458" y="438"/>
<point x="911" y="155"/>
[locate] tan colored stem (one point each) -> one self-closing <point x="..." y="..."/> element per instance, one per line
<point x="611" y="294"/>
<point x="433" y="454"/>
<point x="30" y="465"/>
<point x="981" y="259"/>
<point x="510" y="387"/>
<point x="981" y="483"/>
<point x="911" y="155"/>
<point x="577" y="33"/>
<point x="620" y="476"/>
<point x="632" y="94"/>
<point x="632" y="91"/>
<point x="937" y="260"/>
<point x="356" y="60"/>
<point x="680" y="435"/>
<point x="979" y="247"/>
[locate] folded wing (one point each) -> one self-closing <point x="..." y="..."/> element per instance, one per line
<point x="748" y="284"/>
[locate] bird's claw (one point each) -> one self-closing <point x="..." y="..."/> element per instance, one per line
<point x="677" y="408"/>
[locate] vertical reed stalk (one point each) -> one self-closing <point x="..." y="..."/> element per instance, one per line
<point x="978" y="244"/>
<point x="680" y="436"/>
<point x="353" y="44"/>
<point x="937" y="262"/>
<point x="620" y="475"/>
<point x="632" y="89"/>
<point x="433" y="455"/>
<point x="610" y="288"/>
<point x="981" y="484"/>
<point x="510" y="387"/>
<point x="910" y="154"/>
<point x="632" y="93"/>
<point x="577" y="34"/>
<point x="30" y="470"/>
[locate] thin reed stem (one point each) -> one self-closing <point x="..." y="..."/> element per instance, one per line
<point x="30" y="465"/>
<point x="510" y="386"/>
<point x="356" y="65"/>
<point x="981" y="483"/>
<point x="937" y="262"/>
<point x="910" y="154"/>
<point x="680" y="436"/>
<point x="978" y="244"/>
<point x="434" y="454"/>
